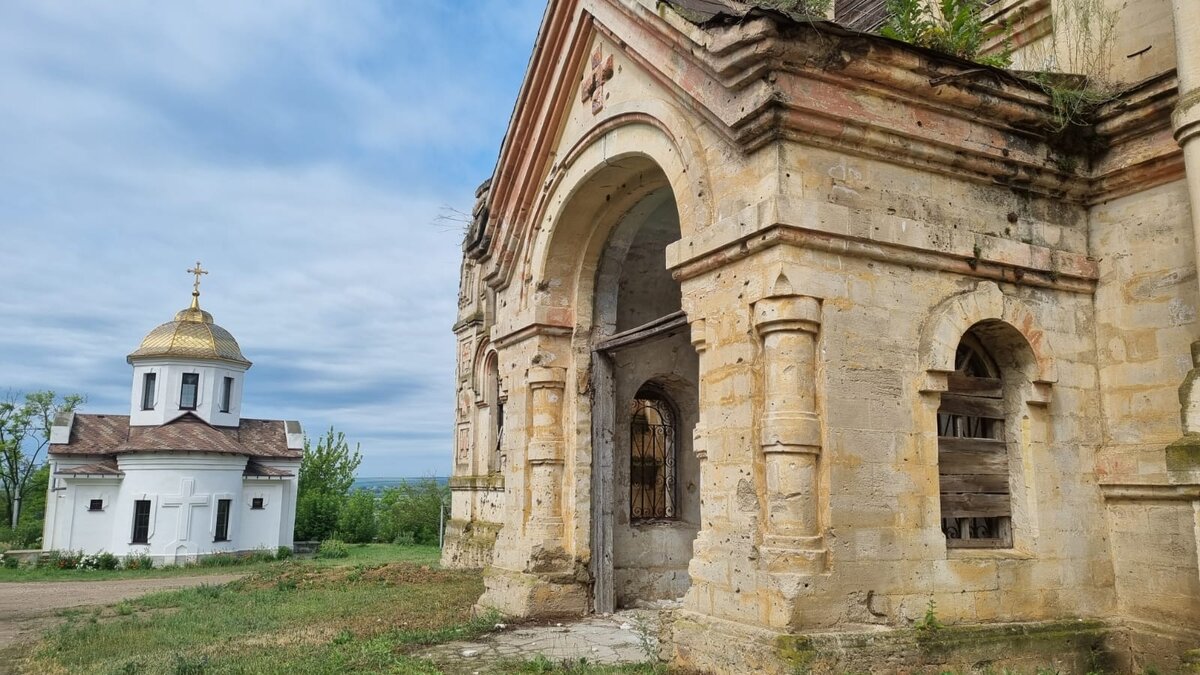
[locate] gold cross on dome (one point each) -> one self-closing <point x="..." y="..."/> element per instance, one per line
<point x="197" y="270"/>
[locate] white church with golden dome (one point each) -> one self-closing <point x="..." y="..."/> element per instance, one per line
<point x="183" y="474"/>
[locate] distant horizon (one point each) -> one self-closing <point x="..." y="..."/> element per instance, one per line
<point x="309" y="155"/>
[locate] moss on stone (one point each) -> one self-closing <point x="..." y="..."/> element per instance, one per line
<point x="797" y="651"/>
<point x="1184" y="454"/>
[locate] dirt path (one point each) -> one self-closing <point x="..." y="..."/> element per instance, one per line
<point x="28" y="608"/>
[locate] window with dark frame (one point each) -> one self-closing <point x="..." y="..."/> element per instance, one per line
<point x="973" y="471"/>
<point x="652" y="432"/>
<point x="189" y="391"/>
<point x="149" y="381"/>
<point x="96" y="505"/>
<point x="226" y="394"/>
<point x="222" y="533"/>
<point x="256" y="503"/>
<point x="141" y="522"/>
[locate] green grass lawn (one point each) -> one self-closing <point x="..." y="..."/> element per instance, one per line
<point x="359" y="554"/>
<point x="369" y="613"/>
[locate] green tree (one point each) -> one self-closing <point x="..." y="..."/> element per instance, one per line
<point x="410" y="512"/>
<point x="28" y="533"/>
<point x="326" y="474"/>
<point x="356" y="524"/>
<point x="24" y="435"/>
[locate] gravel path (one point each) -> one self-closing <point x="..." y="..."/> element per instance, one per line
<point x="28" y="608"/>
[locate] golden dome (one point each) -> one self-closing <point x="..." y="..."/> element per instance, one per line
<point x="192" y="335"/>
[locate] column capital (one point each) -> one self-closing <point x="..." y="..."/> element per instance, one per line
<point x="1185" y="119"/>
<point x="542" y="377"/>
<point x="787" y="312"/>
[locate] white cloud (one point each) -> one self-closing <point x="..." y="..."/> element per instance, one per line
<point x="300" y="149"/>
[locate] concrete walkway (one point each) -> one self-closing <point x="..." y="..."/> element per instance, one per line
<point x="625" y="637"/>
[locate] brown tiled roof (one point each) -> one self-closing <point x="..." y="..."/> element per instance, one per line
<point x="256" y="470"/>
<point x="107" y="467"/>
<point x="111" y="434"/>
<point x="186" y="432"/>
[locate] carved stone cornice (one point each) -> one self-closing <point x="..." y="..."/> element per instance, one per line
<point x="828" y="227"/>
<point x="765" y="79"/>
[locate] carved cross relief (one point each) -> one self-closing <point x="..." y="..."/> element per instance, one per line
<point x="593" y="82"/>
<point x="185" y="501"/>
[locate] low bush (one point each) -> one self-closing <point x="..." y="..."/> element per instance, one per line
<point x="259" y="555"/>
<point x="283" y="553"/>
<point x="8" y="562"/>
<point x="138" y="561"/>
<point x="218" y="560"/>
<point x="333" y="548"/>
<point x="98" y="561"/>
<point x="63" y="560"/>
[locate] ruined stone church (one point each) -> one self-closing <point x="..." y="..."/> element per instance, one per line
<point x="834" y="340"/>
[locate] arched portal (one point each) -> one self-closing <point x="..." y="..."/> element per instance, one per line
<point x="645" y="375"/>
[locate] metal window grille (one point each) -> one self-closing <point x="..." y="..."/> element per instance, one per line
<point x="96" y="505"/>
<point x="652" y="434"/>
<point x="141" y="521"/>
<point x="256" y="503"/>
<point x="222" y="533"/>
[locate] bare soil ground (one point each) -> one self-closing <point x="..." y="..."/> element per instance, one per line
<point x="28" y="608"/>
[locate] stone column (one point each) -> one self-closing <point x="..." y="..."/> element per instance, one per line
<point x="791" y="432"/>
<point x="545" y="451"/>
<point x="700" y="433"/>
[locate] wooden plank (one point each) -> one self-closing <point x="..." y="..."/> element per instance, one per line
<point x="960" y="482"/>
<point x="661" y="327"/>
<point x="959" y="505"/>
<point x="980" y="456"/>
<point x="975" y="386"/>
<point x="978" y="543"/>
<point x="974" y="406"/>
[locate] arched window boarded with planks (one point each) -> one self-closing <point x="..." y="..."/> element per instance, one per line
<point x="652" y="441"/>
<point x="494" y="399"/>
<point x="973" y="469"/>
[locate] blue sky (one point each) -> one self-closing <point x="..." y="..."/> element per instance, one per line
<point x="302" y="150"/>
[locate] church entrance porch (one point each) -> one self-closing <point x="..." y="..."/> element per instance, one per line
<point x="645" y="374"/>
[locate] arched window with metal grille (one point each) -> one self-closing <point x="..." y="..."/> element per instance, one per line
<point x="973" y="471"/>
<point x="653" y="433"/>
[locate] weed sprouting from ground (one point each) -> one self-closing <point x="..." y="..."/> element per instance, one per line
<point x="929" y="623"/>
<point x="646" y="638"/>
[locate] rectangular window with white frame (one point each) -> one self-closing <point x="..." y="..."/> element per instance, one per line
<point x="226" y="394"/>
<point x="149" y="393"/>
<point x="189" y="391"/>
